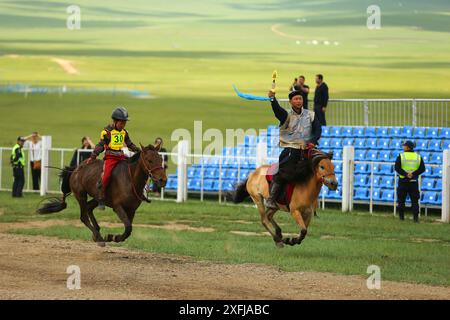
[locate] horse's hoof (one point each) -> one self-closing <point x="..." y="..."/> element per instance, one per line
<point x="279" y="244"/>
<point x="109" y="238"/>
<point x="101" y="244"/>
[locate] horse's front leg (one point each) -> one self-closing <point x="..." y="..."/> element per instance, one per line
<point x="297" y="215"/>
<point x="122" y="214"/>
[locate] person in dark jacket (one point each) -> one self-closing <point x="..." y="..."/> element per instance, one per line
<point x="300" y="85"/>
<point x="83" y="153"/>
<point x="321" y="99"/>
<point x="18" y="164"/>
<point x="299" y="132"/>
<point x="409" y="165"/>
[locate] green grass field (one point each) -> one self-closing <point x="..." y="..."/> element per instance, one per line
<point x="336" y="242"/>
<point x="188" y="54"/>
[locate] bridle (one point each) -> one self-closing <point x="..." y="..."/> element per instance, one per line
<point x="149" y="171"/>
<point x="321" y="156"/>
<point x="149" y="174"/>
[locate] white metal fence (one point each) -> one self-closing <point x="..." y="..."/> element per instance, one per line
<point x="386" y="112"/>
<point x="60" y="157"/>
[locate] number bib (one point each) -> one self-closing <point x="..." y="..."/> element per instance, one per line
<point x="117" y="139"/>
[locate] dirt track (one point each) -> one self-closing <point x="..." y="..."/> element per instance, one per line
<point x="35" y="268"/>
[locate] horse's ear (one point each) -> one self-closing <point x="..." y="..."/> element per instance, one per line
<point x="157" y="146"/>
<point x="142" y="147"/>
<point x="330" y="155"/>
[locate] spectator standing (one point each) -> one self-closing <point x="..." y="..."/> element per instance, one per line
<point x="18" y="164"/>
<point x="409" y="165"/>
<point x="34" y="146"/>
<point x="82" y="153"/>
<point x="321" y="99"/>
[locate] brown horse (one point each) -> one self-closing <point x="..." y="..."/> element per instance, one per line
<point x="124" y="193"/>
<point x="318" y="171"/>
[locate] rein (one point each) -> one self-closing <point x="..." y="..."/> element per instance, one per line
<point x="149" y="174"/>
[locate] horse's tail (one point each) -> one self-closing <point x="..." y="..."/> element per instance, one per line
<point x="54" y="204"/>
<point x="240" y="193"/>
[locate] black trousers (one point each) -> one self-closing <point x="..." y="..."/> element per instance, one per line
<point x="288" y="165"/>
<point x="19" y="181"/>
<point x="404" y="189"/>
<point x="36" y="175"/>
<point x="320" y="115"/>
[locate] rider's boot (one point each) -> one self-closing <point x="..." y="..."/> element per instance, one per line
<point x="275" y="188"/>
<point x="101" y="196"/>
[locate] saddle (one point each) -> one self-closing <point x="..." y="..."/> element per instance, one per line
<point x="286" y="194"/>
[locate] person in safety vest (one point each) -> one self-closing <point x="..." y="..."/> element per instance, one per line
<point x="18" y="164"/>
<point x="409" y="165"/>
<point x="299" y="132"/>
<point x="112" y="139"/>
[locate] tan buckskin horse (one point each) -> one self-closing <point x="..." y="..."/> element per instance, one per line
<point x="317" y="172"/>
<point x="124" y="193"/>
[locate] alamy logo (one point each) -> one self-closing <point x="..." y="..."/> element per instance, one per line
<point x="374" y="280"/>
<point x="74" y="18"/>
<point x="74" y="279"/>
<point x="374" y="18"/>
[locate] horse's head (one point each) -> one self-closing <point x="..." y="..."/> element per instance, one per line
<point x="324" y="169"/>
<point x="152" y="162"/>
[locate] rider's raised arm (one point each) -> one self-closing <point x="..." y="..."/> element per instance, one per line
<point x="316" y="131"/>
<point x="130" y="144"/>
<point x="280" y="113"/>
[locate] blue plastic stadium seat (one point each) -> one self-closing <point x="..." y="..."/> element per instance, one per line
<point x="227" y="185"/>
<point x="361" y="180"/>
<point x="262" y="138"/>
<point x="337" y="194"/>
<point x="383" y="132"/>
<point x="347" y="132"/>
<point x="428" y="184"/>
<point x="386" y="169"/>
<point x="426" y="156"/>
<point x="376" y="181"/>
<point x="436" y="158"/>
<point x="428" y="172"/>
<point x="325" y="143"/>
<point x="336" y="132"/>
<point x="228" y="151"/>
<point x="376" y="194"/>
<point x="371" y="143"/>
<point x="360" y="143"/>
<point x="419" y="132"/>
<point x="433" y="133"/>
<point x="194" y="184"/>
<point x="208" y="185"/>
<point x="362" y="168"/>
<point x="396" y="144"/>
<point x="383" y="143"/>
<point x="171" y="184"/>
<point x="326" y="132"/>
<point x="348" y="142"/>
<point x="387" y="182"/>
<point x="436" y="172"/>
<point x="361" y="194"/>
<point x="250" y="152"/>
<point x="244" y="174"/>
<point x="360" y="154"/>
<point x="396" y="132"/>
<point x="337" y="167"/>
<point x="446" y="144"/>
<point x="211" y="173"/>
<point x="384" y="156"/>
<point x="371" y="132"/>
<point x="232" y="174"/>
<point x="421" y="145"/>
<point x="337" y="154"/>
<point x="376" y="168"/>
<point x="336" y="143"/>
<point x="429" y="197"/>
<point x="372" y="155"/>
<point x="435" y="145"/>
<point x="407" y="132"/>
<point x="438" y="201"/>
<point x="445" y="133"/>
<point x="192" y="172"/>
<point x="359" y="132"/>
<point x="387" y="195"/>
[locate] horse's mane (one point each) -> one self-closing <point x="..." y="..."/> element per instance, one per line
<point x="304" y="170"/>
<point x="135" y="157"/>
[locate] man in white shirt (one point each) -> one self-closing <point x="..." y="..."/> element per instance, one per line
<point x="33" y="144"/>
